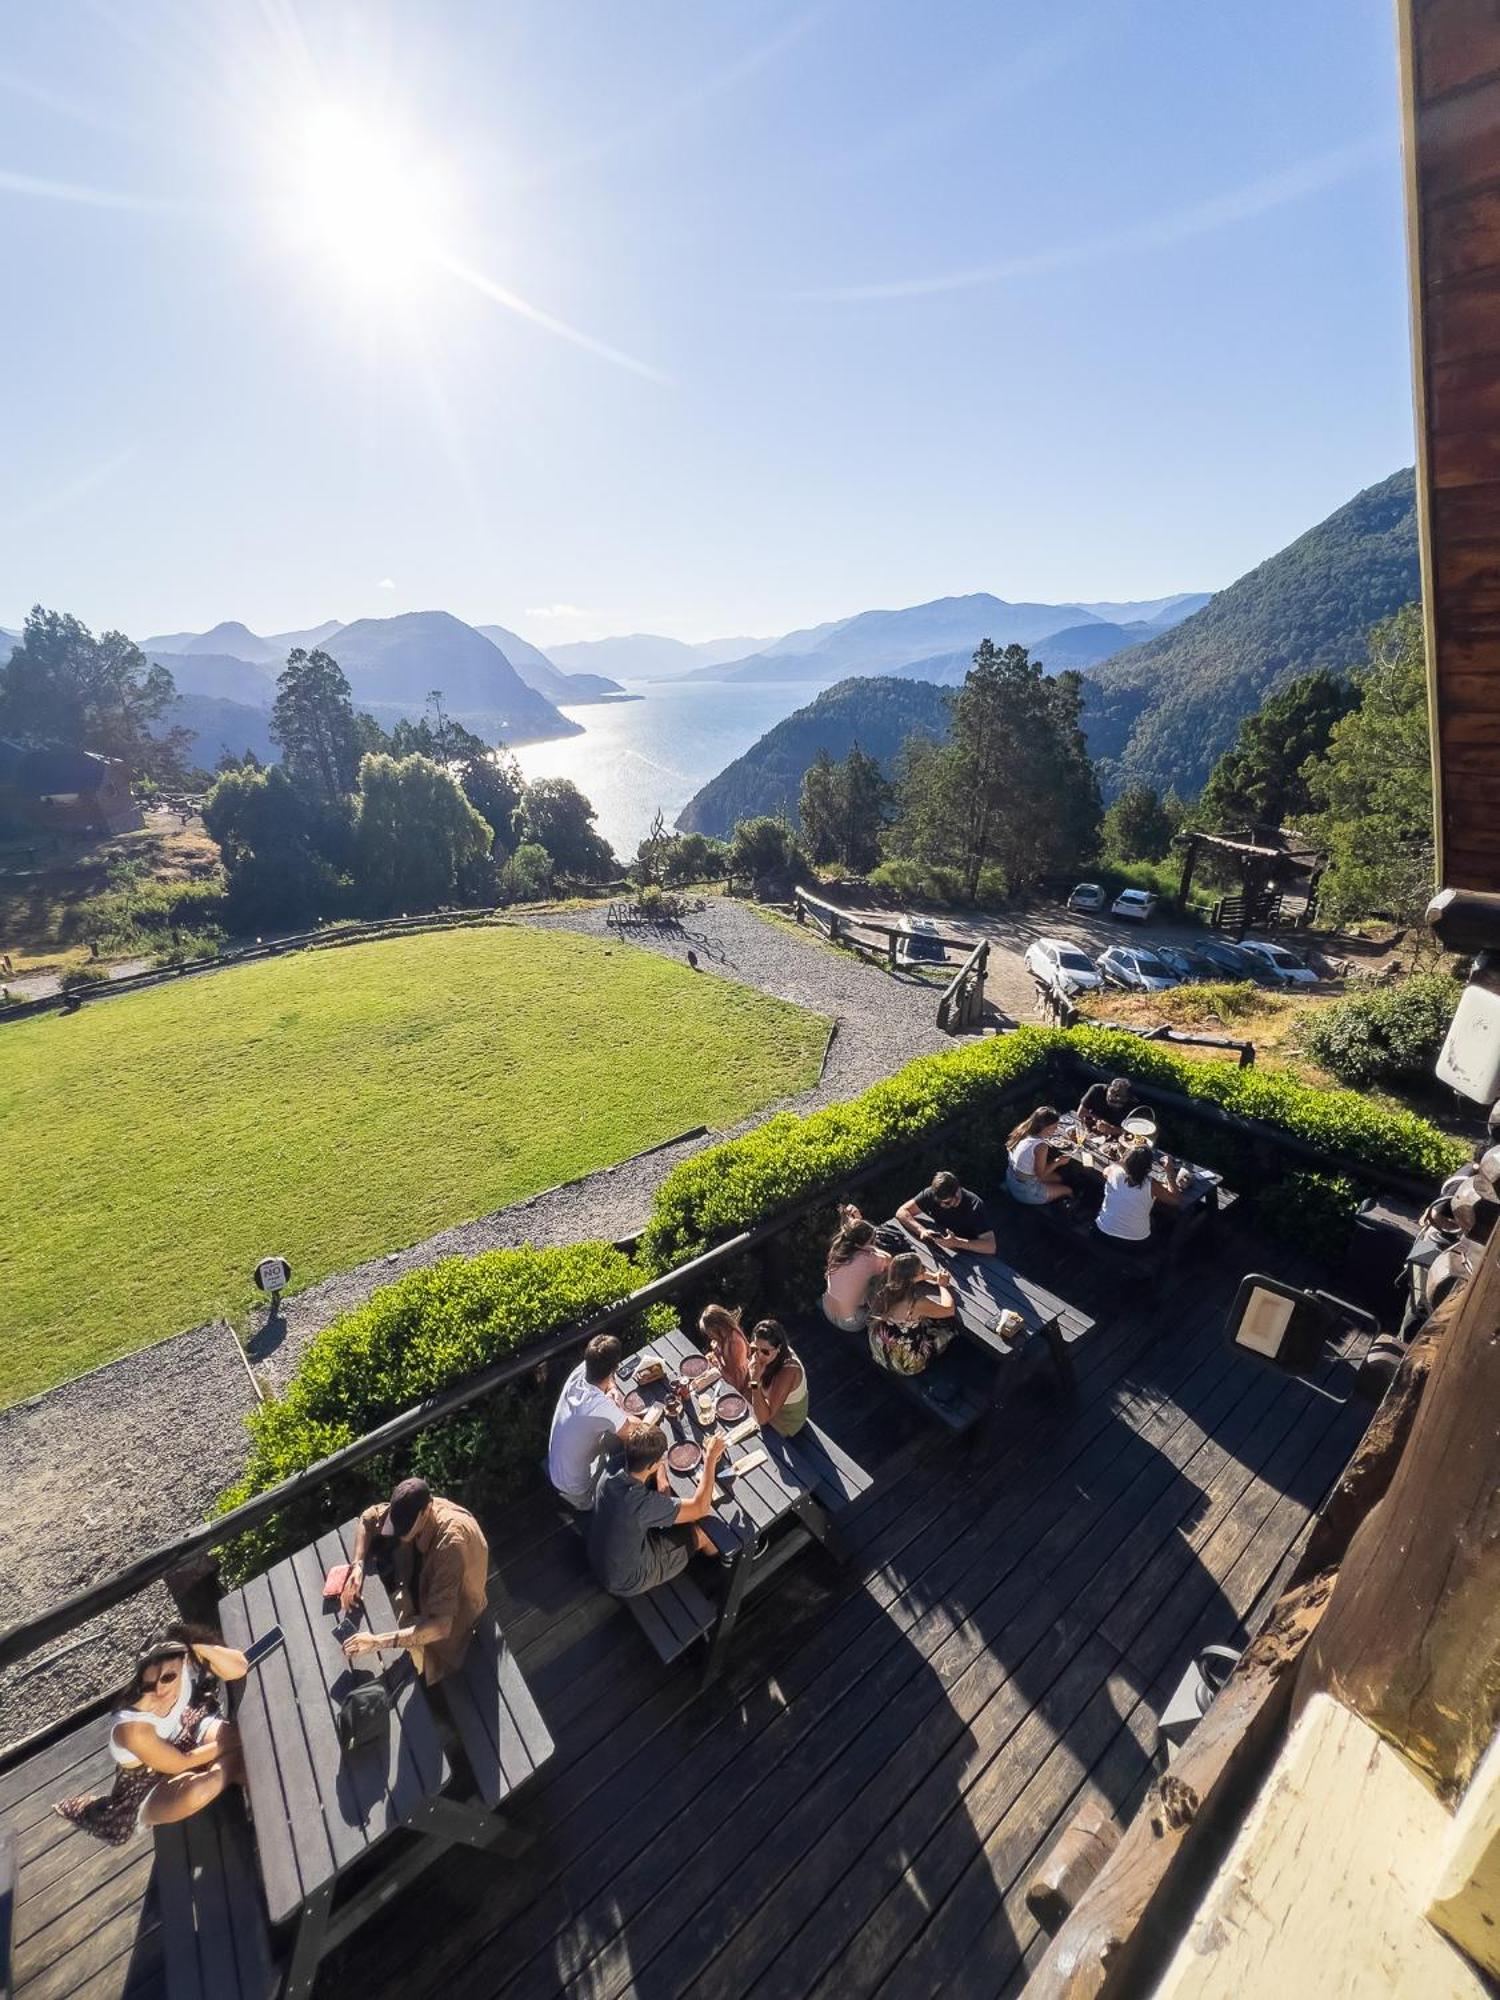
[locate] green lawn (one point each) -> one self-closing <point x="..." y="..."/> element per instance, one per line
<point x="333" y="1105"/>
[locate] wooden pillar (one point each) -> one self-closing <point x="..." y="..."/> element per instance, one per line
<point x="1189" y="862"/>
<point x="1450" y="60"/>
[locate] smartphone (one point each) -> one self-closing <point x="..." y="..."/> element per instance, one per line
<point x="266" y="1643"/>
<point x="345" y="1627"/>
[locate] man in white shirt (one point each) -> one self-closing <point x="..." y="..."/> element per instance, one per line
<point x="590" y="1415"/>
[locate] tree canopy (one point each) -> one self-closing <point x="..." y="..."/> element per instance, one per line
<point x="844" y="809"/>
<point x="1139" y="826"/>
<point x="417" y="840"/>
<point x="557" y="816"/>
<point x="1261" y="780"/>
<point x="62" y="686"/>
<point x="313" y="721"/>
<point x="1371" y="792"/>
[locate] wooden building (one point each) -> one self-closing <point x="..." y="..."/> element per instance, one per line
<point x="50" y="790"/>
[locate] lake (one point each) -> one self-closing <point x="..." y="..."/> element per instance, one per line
<point x="636" y="758"/>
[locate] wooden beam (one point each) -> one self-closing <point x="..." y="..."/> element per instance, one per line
<point x="1122" y="1927"/>
<point x="1411" y="1638"/>
<point x="1450" y="62"/>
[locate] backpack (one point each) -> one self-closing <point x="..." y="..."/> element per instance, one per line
<point x="364" y="1717"/>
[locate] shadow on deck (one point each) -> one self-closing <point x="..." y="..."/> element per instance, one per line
<point x="854" y="1808"/>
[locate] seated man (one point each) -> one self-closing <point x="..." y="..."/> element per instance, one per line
<point x="434" y="1553"/>
<point x="589" y="1417"/>
<point x="640" y="1533"/>
<point x="946" y="1216"/>
<point x="1106" y="1106"/>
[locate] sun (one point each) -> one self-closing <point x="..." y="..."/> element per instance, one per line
<point x="366" y="202"/>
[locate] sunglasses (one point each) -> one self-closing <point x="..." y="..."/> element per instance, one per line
<point x="163" y="1680"/>
<point x="764" y="1347"/>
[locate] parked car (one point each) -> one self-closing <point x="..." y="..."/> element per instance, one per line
<point x="1135" y="904"/>
<point x="1087" y="896"/>
<point x="1232" y="963"/>
<point x="1062" y="964"/>
<point x="1188" y="962"/>
<point x="1137" y="971"/>
<point x="920" y="942"/>
<point x="1286" y="967"/>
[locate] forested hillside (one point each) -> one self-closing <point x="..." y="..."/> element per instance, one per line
<point x="878" y="714"/>
<point x="1160" y="713"/>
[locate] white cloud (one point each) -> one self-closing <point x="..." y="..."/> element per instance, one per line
<point x="386" y="583"/>
<point x="557" y="611"/>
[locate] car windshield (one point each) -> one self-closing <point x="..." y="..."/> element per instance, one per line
<point x="1279" y="957"/>
<point x="1074" y="961"/>
<point x="1152" y="966"/>
<point x="1134" y="895"/>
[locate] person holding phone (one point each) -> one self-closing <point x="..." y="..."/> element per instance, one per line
<point x="640" y="1533"/>
<point x="173" y="1752"/>
<point x="433" y="1554"/>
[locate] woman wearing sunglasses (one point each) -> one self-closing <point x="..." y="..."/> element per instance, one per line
<point x="173" y="1752"/>
<point x="778" y="1381"/>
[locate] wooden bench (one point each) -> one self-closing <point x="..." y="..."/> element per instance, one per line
<point x="499" y="1724"/>
<point x="957" y="1389"/>
<point x="214" y="1930"/>
<point x="673" y="1616"/>
<point x="841" y="1480"/>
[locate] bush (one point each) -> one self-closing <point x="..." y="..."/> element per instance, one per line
<point x="1313" y="1210"/>
<point x="527" y="875"/>
<point x="918" y="882"/>
<point x="767" y="853"/>
<point x="731" y="1187"/>
<point x="1391" y="1034"/>
<point x="78" y="976"/>
<point x="407" y="1341"/>
<point x="139" y="912"/>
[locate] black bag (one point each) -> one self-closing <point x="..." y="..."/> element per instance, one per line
<point x="364" y="1716"/>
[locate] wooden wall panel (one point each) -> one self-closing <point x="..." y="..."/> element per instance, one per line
<point x="1451" y="79"/>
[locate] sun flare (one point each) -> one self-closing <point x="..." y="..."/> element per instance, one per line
<point x="367" y="202"/>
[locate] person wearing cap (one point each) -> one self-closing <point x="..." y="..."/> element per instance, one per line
<point x="434" y="1552"/>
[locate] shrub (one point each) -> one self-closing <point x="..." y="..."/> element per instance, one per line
<point x="919" y="882"/>
<point x="407" y="1341"/>
<point x="1391" y="1034"/>
<point x="767" y="853"/>
<point x="527" y="875"/>
<point x="1226" y="1000"/>
<point x="78" y="976"/>
<point x="731" y="1187"/>
<point x="1315" y="1211"/>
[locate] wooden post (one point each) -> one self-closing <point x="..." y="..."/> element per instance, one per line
<point x="1189" y="862"/>
<point x="890" y="949"/>
<point x="1412" y="1632"/>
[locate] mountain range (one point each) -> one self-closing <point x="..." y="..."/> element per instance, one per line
<point x="878" y="712"/>
<point x="647" y="656"/>
<point x="916" y="639"/>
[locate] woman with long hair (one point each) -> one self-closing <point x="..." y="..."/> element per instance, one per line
<point x="1032" y="1171"/>
<point x="172" y="1750"/>
<point x="908" y="1310"/>
<point x="855" y="1261"/>
<point x="720" y="1327"/>
<point x="1129" y="1193"/>
<point x="778" y="1381"/>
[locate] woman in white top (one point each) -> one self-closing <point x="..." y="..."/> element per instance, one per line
<point x="173" y="1753"/>
<point x="1129" y="1192"/>
<point x="1031" y="1174"/>
<point x="855" y="1261"/>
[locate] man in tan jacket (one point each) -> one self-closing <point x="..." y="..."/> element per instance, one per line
<point x="440" y="1560"/>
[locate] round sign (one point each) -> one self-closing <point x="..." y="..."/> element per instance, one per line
<point x="273" y="1274"/>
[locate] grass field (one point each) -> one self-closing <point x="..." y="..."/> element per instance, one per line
<point x="333" y="1105"/>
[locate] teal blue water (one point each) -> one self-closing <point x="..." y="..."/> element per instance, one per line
<point x="636" y="757"/>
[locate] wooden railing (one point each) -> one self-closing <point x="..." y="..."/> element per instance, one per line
<point x="847" y="926"/>
<point x="962" y="1005"/>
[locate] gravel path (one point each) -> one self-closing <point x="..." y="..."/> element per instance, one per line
<point x="98" y="1471"/>
<point x="881" y="1021"/>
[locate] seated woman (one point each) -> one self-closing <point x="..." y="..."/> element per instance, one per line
<point x="778" y="1380"/>
<point x="1033" y="1173"/>
<point x="855" y="1261"/>
<point x="1129" y="1194"/>
<point x="907" y="1309"/>
<point x="173" y="1752"/>
<point x="720" y="1327"/>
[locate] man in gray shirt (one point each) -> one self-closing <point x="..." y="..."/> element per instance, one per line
<point x="640" y="1533"/>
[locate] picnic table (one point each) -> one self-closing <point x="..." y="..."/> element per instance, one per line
<point x="986" y="1291"/>
<point x="1184" y="1212"/>
<point x="325" y="1817"/>
<point x="760" y="1518"/>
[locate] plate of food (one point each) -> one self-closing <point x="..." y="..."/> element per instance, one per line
<point x="732" y="1406"/>
<point x="695" y="1364"/>
<point x="635" y="1403"/>
<point x="685" y="1457"/>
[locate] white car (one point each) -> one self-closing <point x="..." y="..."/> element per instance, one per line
<point x="1138" y="971"/>
<point x="920" y="942"/>
<point x="1057" y="963"/>
<point x="1136" y="904"/>
<point x="1087" y="896"/>
<point x="1284" y="965"/>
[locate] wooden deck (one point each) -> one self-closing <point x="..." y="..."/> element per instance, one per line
<point x="854" y="1807"/>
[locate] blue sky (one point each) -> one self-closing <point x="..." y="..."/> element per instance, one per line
<point x="612" y="315"/>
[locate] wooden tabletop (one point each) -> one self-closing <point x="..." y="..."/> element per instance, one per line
<point x="317" y="1809"/>
<point x="756" y="1500"/>
<point x="986" y="1287"/>
<point x="1091" y="1152"/>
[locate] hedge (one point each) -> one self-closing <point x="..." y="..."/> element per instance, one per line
<point x="407" y="1341"/>
<point x="728" y="1188"/>
<point x="1386" y="1034"/>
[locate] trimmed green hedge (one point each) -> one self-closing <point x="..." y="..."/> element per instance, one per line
<point x="409" y="1340"/>
<point x="731" y="1187"/>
